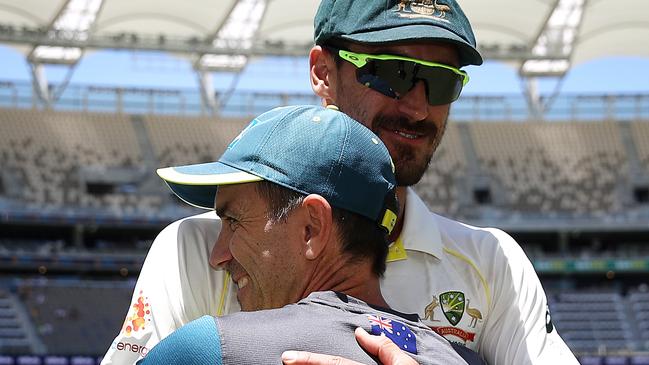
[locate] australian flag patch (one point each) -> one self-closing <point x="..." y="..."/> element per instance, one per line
<point x="401" y="335"/>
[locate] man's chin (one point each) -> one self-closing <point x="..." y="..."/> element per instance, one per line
<point x="245" y="304"/>
<point x="248" y="307"/>
<point x="408" y="174"/>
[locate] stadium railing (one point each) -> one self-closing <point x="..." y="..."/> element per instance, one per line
<point x="136" y="100"/>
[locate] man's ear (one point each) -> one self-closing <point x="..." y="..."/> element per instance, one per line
<point x="318" y="229"/>
<point x="320" y="71"/>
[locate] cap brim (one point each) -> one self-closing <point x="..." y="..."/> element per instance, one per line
<point x="469" y="55"/>
<point x="196" y="184"/>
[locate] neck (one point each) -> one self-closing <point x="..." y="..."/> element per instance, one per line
<point x="402" y="192"/>
<point x="352" y="277"/>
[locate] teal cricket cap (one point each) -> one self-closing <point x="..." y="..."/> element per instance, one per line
<point x="396" y="21"/>
<point x="308" y="149"/>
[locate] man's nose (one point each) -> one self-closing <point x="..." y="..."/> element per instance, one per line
<point x="221" y="253"/>
<point x="414" y="104"/>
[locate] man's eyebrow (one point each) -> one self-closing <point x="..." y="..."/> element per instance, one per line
<point x="220" y="211"/>
<point x="389" y="52"/>
<point x="383" y="51"/>
<point x="380" y="51"/>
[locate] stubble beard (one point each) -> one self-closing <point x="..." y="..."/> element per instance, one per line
<point x="409" y="166"/>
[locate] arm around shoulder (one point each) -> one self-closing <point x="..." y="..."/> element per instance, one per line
<point x="198" y="342"/>
<point x="168" y="293"/>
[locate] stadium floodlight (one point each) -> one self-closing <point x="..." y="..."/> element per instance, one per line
<point x="554" y="45"/>
<point x="237" y="32"/>
<point x="215" y="62"/>
<point x="56" y="55"/>
<point x="74" y="22"/>
<point x="545" y="67"/>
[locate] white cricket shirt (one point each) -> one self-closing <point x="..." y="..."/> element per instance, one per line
<point x="474" y="286"/>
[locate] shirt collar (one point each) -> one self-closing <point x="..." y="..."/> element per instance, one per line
<point x="420" y="231"/>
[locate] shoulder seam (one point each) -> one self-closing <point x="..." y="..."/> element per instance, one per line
<point x="473" y="265"/>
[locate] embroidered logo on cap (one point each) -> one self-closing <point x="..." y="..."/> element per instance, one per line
<point x="423" y="9"/>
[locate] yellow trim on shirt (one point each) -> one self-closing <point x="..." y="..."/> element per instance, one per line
<point x="396" y="251"/>
<point x="468" y="261"/>
<point x="226" y="282"/>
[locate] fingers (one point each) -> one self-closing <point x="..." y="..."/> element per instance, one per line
<point x="379" y="346"/>
<point x="310" y="358"/>
<point x="383" y="348"/>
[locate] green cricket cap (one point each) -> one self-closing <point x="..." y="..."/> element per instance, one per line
<point x="396" y="21"/>
<point x="308" y="149"/>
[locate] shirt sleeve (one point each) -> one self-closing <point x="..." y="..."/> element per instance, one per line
<point x="175" y="286"/>
<point x="519" y="330"/>
<point x="198" y="342"/>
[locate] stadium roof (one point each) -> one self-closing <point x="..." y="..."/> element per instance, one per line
<point x="539" y="37"/>
<point x="504" y="28"/>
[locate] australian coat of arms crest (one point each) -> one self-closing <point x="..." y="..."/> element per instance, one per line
<point x="426" y="8"/>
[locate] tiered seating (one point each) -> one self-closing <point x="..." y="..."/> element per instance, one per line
<point x="538" y="168"/>
<point x="614" y="360"/>
<point x="12" y="334"/>
<point x="43" y="152"/>
<point x="640" y="131"/>
<point x="592" y="322"/>
<point x="76" y="318"/>
<point x="639" y="302"/>
<point x="439" y="185"/>
<point x="189" y="140"/>
<point x="557" y="167"/>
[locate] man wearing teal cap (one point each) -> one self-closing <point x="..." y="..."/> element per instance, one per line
<point x="396" y="67"/>
<point x="307" y="197"/>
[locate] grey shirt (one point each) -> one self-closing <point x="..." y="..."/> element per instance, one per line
<point x="323" y="322"/>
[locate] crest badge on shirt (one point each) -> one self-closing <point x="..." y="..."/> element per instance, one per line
<point x="452" y="306"/>
<point x="455" y="309"/>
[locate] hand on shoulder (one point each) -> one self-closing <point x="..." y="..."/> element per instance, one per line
<point x="379" y="346"/>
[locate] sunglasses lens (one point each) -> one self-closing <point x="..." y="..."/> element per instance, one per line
<point x="443" y="86"/>
<point x="398" y="74"/>
<point x="394" y="78"/>
<point x="376" y="83"/>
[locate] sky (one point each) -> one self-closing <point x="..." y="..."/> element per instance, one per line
<point x="157" y="70"/>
